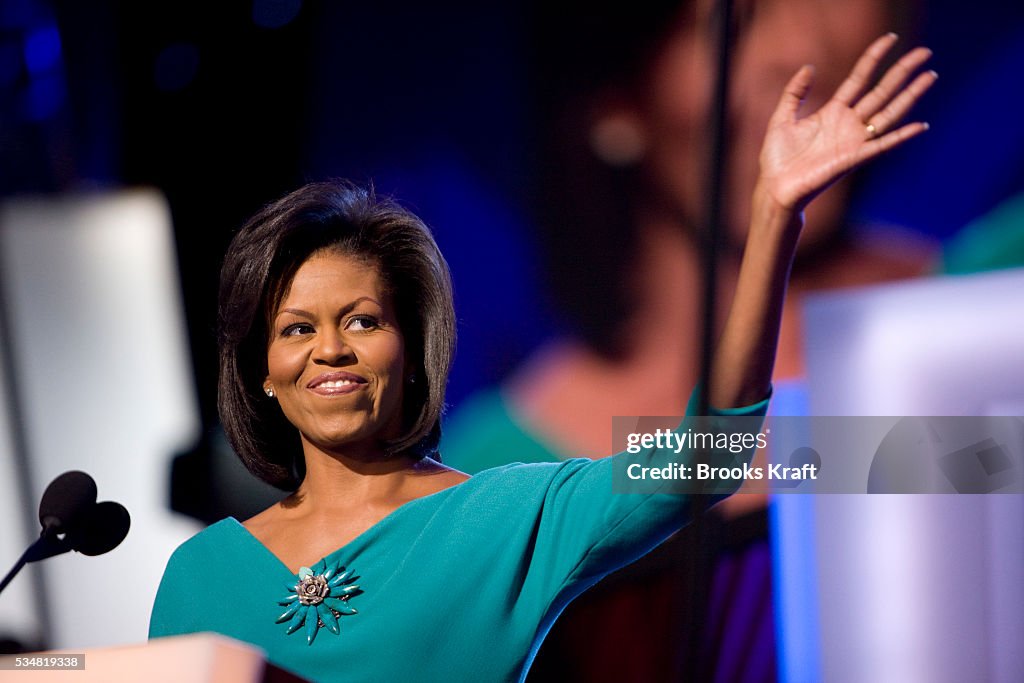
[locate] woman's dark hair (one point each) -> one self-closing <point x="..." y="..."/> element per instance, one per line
<point x="258" y="268"/>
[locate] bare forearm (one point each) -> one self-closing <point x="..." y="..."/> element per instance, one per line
<point x="742" y="368"/>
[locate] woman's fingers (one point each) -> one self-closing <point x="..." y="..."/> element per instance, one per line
<point x="884" y="105"/>
<point x="894" y="112"/>
<point x="860" y="79"/>
<point x="892" y="83"/>
<point x="793" y="95"/>
<point x="875" y="147"/>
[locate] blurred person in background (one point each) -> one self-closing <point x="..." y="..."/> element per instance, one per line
<point x="622" y="114"/>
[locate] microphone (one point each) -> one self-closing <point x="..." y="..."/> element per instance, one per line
<point x="66" y="500"/>
<point x="102" y="529"/>
<point x="73" y="520"/>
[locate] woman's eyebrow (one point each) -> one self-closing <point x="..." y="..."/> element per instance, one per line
<point x="302" y="313"/>
<point x="296" y="312"/>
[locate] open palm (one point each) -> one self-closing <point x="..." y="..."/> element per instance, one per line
<point x="801" y="157"/>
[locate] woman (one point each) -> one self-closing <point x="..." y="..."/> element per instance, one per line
<point x="336" y="338"/>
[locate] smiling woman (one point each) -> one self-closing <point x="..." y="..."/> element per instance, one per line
<point x="337" y="331"/>
<point x="263" y="301"/>
<point x="336" y="356"/>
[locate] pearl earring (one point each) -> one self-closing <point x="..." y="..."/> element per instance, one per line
<point x="269" y="391"/>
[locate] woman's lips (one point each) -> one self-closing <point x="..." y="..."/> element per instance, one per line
<point x="336" y="384"/>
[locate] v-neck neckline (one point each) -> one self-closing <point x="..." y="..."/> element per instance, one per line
<point x="375" y="527"/>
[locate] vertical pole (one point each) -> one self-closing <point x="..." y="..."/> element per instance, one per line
<point x="21" y="451"/>
<point x="701" y="564"/>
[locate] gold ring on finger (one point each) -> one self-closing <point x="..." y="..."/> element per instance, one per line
<point x="871" y="130"/>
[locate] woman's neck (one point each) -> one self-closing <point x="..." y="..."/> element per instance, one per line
<point x="337" y="481"/>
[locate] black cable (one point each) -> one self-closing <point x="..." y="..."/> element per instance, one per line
<point x="701" y="560"/>
<point x="710" y="236"/>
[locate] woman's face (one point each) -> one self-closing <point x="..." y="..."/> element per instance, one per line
<point x="774" y="38"/>
<point x="336" y="357"/>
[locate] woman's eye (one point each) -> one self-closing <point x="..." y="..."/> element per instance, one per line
<point x="297" y="329"/>
<point x="362" y="322"/>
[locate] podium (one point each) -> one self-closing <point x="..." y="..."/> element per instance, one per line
<point x="195" y="658"/>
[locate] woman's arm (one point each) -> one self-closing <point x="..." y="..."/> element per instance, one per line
<point x="802" y="157"/>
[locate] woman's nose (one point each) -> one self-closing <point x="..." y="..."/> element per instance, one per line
<point x="332" y="349"/>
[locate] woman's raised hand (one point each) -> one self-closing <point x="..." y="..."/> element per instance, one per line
<point x="801" y="157"/>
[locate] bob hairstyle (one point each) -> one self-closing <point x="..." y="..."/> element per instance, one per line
<point x="258" y="269"/>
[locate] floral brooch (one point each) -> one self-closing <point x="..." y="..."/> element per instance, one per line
<point x="318" y="599"/>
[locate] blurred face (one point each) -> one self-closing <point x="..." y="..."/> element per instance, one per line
<point x="335" y="358"/>
<point x="774" y="38"/>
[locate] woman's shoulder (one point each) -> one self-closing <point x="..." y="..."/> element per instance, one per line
<point x="217" y="540"/>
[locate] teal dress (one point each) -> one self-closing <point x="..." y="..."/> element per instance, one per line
<point x="460" y="585"/>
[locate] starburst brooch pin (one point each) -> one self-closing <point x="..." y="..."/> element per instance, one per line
<point x="319" y="598"/>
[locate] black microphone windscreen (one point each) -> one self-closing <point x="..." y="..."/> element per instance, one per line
<point x="66" y="499"/>
<point x="101" y="529"/>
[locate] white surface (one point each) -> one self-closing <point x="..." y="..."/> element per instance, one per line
<point x="104" y="373"/>
<point x="925" y="587"/>
<point x="18" y="618"/>
<point x="942" y="346"/>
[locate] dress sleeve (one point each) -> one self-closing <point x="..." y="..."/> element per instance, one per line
<point x="163" y="619"/>
<point x="177" y="600"/>
<point x="585" y="530"/>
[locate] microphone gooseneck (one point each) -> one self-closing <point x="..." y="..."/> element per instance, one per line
<point x="71" y="519"/>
